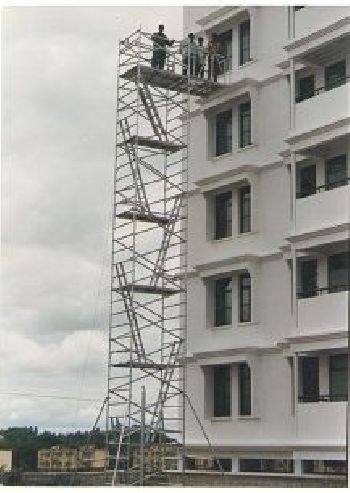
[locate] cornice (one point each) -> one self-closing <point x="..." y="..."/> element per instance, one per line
<point x="244" y="350"/>
<point x="329" y="29"/>
<point x="215" y="17"/>
<point x="232" y="173"/>
<point x="337" y="228"/>
<point x="303" y="135"/>
<point x="313" y="337"/>
<point x="282" y="446"/>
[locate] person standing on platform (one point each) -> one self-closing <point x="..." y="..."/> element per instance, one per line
<point x="160" y="42"/>
<point x="188" y="47"/>
<point x="215" y="51"/>
<point x="202" y="52"/>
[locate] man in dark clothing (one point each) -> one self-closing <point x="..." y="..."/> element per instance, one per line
<point x="215" y="52"/>
<point x="188" y="47"/>
<point x="160" y="42"/>
<point x="202" y="53"/>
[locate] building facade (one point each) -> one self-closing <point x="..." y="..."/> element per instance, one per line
<point x="59" y="458"/>
<point x="268" y="221"/>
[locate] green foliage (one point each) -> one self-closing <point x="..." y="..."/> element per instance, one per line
<point x="25" y="443"/>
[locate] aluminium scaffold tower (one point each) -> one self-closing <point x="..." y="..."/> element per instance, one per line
<point x="147" y="334"/>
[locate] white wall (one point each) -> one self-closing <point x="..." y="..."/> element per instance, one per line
<point x="260" y="252"/>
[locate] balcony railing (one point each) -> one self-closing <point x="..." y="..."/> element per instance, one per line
<point x="340" y="81"/>
<point x="311" y="293"/>
<point x="321" y="397"/>
<point x="323" y="188"/>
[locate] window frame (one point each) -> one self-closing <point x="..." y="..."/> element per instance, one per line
<point x="334" y="161"/>
<point x="334" y="287"/>
<point x="245" y="216"/>
<point x="226" y="38"/>
<point x="308" y="288"/>
<point x="223" y="215"/>
<point x="244" y="42"/>
<point x="261" y="465"/>
<point x="333" y="371"/>
<point x="222" y="309"/>
<point x="243" y="305"/>
<point x="311" y="395"/>
<point x="223" y="138"/>
<point x="245" y="117"/>
<point x="245" y="389"/>
<point x="222" y="391"/>
<point x="305" y="189"/>
<point x="330" y="84"/>
<point x="307" y="94"/>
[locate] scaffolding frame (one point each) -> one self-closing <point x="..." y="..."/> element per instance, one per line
<point x="148" y="306"/>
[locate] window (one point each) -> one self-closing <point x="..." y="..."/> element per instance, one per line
<point x="338" y="467"/>
<point x="226" y="40"/>
<point x="208" y="464"/>
<point x="338" y="272"/>
<point x="244" y="42"/>
<point x="335" y="75"/>
<point x="244" y="210"/>
<point x="245" y="124"/>
<point x="223" y="215"/>
<point x="266" y="465"/>
<point x="307" y="181"/>
<point x="223" y="301"/>
<point x="223" y="132"/>
<point x="244" y="389"/>
<point x="308" y="278"/>
<point x="245" y="298"/>
<point x="336" y="172"/>
<point x="306" y="88"/>
<point x="338" y="377"/>
<point x="223" y="464"/>
<point x="310" y="379"/>
<point x="222" y="390"/>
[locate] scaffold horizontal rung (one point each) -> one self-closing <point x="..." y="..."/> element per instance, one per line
<point x="140" y="364"/>
<point x="167" y="79"/>
<point x="155" y="144"/>
<point x="148" y="289"/>
<point x="143" y="216"/>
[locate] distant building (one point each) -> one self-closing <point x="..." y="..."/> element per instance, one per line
<point x="153" y="459"/>
<point x="60" y="458"/>
<point x="6" y="460"/>
<point x="90" y="457"/>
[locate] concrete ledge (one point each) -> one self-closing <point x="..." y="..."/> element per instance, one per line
<point x="216" y="479"/>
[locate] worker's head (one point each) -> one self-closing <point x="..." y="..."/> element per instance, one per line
<point x="200" y="41"/>
<point x="161" y="28"/>
<point x="214" y="36"/>
<point x="191" y="36"/>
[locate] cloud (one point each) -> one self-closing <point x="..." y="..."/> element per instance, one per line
<point x="53" y="369"/>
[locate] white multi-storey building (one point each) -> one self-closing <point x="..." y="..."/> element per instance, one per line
<point x="267" y="356"/>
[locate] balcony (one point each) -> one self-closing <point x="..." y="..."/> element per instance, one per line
<point x="325" y="312"/>
<point x="322" y="421"/>
<point x="323" y="209"/>
<point x="324" y="108"/>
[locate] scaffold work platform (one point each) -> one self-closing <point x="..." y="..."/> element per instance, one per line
<point x="149" y="289"/>
<point x="154" y="144"/>
<point x="169" y="79"/>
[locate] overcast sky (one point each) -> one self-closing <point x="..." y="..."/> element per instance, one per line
<point x="58" y="124"/>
